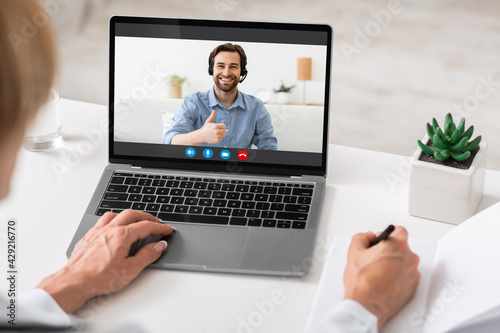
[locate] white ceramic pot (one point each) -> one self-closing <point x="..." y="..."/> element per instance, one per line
<point x="444" y="193"/>
<point x="284" y="98"/>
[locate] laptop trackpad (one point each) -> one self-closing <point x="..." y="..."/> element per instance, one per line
<point x="200" y="245"/>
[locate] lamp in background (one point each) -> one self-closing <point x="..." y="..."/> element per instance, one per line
<point x="304" y="73"/>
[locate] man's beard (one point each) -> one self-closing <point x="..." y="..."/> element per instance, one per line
<point x="225" y="87"/>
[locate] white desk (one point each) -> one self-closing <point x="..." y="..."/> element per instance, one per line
<point x="51" y="191"/>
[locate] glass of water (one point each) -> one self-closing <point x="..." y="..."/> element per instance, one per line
<point x="45" y="133"/>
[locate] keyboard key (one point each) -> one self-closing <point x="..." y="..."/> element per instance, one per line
<point x="115" y="196"/>
<point x="177" y="200"/>
<point x="265" y="183"/>
<point x="181" y="209"/>
<point x="195" y="179"/>
<point x="275" y="198"/>
<point x="186" y="185"/>
<point x="135" y="189"/>
<point x="307" y="185"/>
<point x="247" y="196"/>
<point x="167" y="177"/>
<point x="224" y="212"/>
<point x="205" y="202"/>
<point x="293" y="185"/>
<point x="242" y="188"/>
<point x="248" y="205"/>
<point x="204" y="194"/>
<point x="140" y="175"/>
<point x="228" y="187"/>
<point x="214" y="186"/>
<point x="305" y="192"/>
<point x="279" y="184"/>
<point x="167" y="208"/>
<point x="234" y="204"/>
<point x="269" y="223"/>
<point x="154" y="176"/>
<point x="297" y="208"/>
<point x="219" y="195"/>
<point x="239" y="212"/>
<point x="200" y="186"/>
<point x="290" y="199"/>
<point x="172" y="183"/>
<point x="298" y="225"/>
<point x="253" y="222"/>
<point x="262" y="205"/>
<point x="284" y="224"/>
<point x="195" y="210"/>
<point x="220" y="203"/>
<point x="145" y="182"/>
<point x="159" y="182"/>
<point x="267" y="214"/>
<point x="131" y="181"/>
<point x="191" y="201"/>
<point x="153" y="207"/>
<point x="115" y="204"/>
<point x="139" y="206"/>
<point x="123" y="174"/>
<point x="237" y="182"/>
<point x="232" y="195"/>
<point x="256" y="189"/>
<point x="284" y="190"/>
<point x="117" y="180"/>
<point x="270" y="190"/>
<point x="251" y="182"/>
<point x="181" y="178"/>
<point x="176" y="191"/>
<point x="253" y="213"/>
<point x="190" y="193"/>
<point x="135" y="197"/>
<point x="304" y="200"/>
<point x="194" y="218"/>
<point x="277" y="206"/>
<point x="101" y="211"/>
<point x="162" y="191"/>
<point x="148" y="190"/>
<point x="291" y="216"/>
<point x="149" y="198"/>
<point x="162" y="199"/>
<point x="117" y="188"/>
<point x="210" y="211"/>
<point x="262" y="197"/>
<point x="238" y="221"/>
<point x="224" y="181"/>
<point x="209" y="180"/>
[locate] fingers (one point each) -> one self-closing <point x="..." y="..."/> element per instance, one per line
<point x="362" y="240"/>
<point x="105" y="219"/>
<point x="148" y="254"/>
<point x="211" y="117"/>
<point x="143" y="229"/>
<point x="130" y="216"/>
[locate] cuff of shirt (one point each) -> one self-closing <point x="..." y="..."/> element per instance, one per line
<point x="348" y="316"/>
<point x="37" y="307"/>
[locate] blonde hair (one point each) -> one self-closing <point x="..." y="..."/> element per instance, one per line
<point x="27" y="62"/>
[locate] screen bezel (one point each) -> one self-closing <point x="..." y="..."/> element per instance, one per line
<point x="219" y="165"/>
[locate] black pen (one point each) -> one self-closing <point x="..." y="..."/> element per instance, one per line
<point x="383" y="235"/>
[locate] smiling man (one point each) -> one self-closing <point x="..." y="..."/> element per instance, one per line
<point x="223" y="116"/>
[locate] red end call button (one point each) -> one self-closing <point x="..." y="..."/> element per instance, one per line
<point x="242" y="155"/>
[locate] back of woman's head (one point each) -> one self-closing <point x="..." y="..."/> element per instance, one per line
<point x="27" y="62"/>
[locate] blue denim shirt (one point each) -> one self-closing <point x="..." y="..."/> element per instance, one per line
<point x="247" y="120"/>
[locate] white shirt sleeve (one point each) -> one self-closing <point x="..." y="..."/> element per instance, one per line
<point x="348" y="316"/>
<point x="37" y="307"/>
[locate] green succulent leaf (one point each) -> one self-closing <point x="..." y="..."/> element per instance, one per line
<point x="473" y="144"/>
<point x="460" y="157"/>
<point x="442" y="136"/>
<point x="441" y="155"/>
<point x="435" y="124"/>
<point x="436" y="139"/>
<point x="455" y="136"/>
<point x="448" y="119"/>
<point x="461" y="126"/>
<point x="427" y="149"/>
<point x="468" y="133"/>
<point x="430" y="130"/>
<point x="459" y="146"/>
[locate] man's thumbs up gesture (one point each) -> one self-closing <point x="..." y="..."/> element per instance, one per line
<point x="212" y="132"/>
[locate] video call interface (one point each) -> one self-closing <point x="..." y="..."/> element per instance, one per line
<point x="165" y="94"/>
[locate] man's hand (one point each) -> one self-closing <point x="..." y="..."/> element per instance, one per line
<point x="384" y="277"/>
<point x="212" y="132"/>
<point x="100" y="262"/>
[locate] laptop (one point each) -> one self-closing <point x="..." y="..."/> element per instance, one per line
<point x="238" y="206"/>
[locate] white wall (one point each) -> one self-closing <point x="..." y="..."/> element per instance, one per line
<point x="141" y="61"/>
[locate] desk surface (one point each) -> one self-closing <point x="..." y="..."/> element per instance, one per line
<point x="366" y="190"/>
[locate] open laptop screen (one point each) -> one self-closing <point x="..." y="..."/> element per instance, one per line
<point x="163" y="88"/>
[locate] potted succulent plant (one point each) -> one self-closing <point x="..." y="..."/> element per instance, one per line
<point x="284" y="94"/>
<point x="174" y="83"/>
<point x="447" y="173"/>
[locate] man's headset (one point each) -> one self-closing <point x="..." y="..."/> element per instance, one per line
<point x="244" y="71"/>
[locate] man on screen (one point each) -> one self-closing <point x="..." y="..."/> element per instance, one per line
<point x="223" y="116"/>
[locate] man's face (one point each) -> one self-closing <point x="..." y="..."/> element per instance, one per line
<point x="227" y="70"/>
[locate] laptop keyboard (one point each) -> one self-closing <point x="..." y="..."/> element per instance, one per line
<point x="209" y="200"/>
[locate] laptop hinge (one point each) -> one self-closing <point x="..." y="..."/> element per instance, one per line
<point x="135" y="167"/>
<point x="295" y="177"/>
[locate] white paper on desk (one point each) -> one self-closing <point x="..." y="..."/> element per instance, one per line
<point x="465" y="287"/>
<point x="331" y="287"/>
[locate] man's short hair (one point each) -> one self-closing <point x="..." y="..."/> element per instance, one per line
<point x="228" y="47"/>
